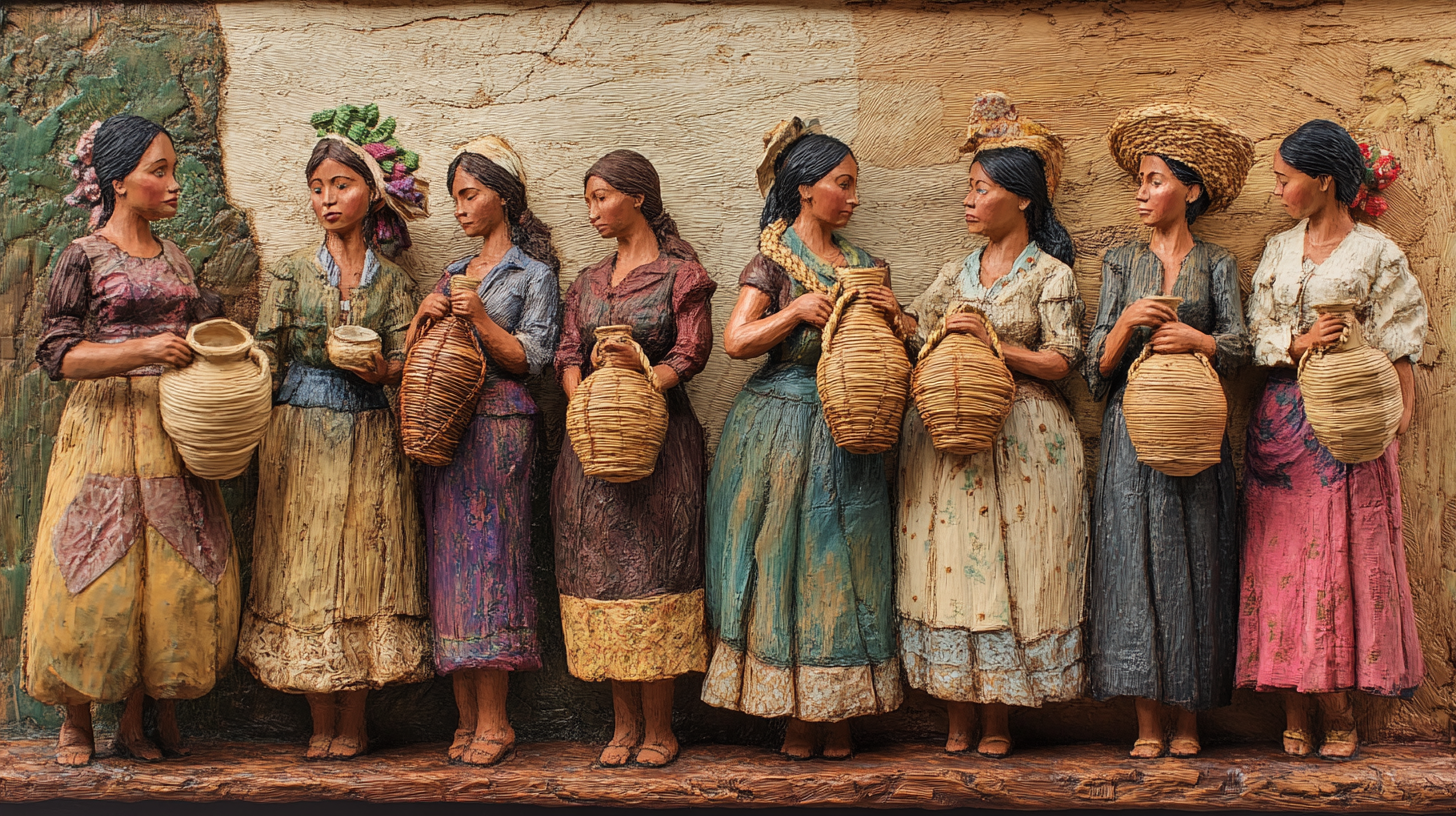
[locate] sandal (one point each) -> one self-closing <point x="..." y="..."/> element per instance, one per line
<point x="318" y="747"/>
<point x="459" y="742"/>
<point x="1340" y="738"/>
<point x="1148" y="743"/>
<point x="1298" y="743"/>
<point x="660" y="756"/>
<point x="613" y="760"/>
<point x="1184" y="747"/>
<point x="992" y="742"/>
<point x="347" y="747"/>
<point x="493" y="752"/>
<point x="75" y="747"/>
<point x="143" y="750"/>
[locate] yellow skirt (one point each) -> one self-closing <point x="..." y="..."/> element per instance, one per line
<point x="637" y="639"/>
<point x="338" y="599"/>
<point x="134" y="583"/>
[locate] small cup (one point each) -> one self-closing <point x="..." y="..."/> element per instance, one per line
<point x="353" y="347"/>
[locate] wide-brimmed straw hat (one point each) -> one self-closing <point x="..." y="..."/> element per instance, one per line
<point x="1201" y="140"/>
<point x="995" y="124"/>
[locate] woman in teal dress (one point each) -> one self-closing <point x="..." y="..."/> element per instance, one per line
<point x="800" y="551"/>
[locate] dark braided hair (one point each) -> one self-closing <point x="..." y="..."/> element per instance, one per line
<point x="382" y="225"/>
<point x="631" y="173"/>
<point x="806" y="161"/>
<point x="120" y="144"/>
<point x="1189" y="177"/>
<point x="1322" y="148"/>
<point x="527" y="231"/>
<point x="1021" y="172"/>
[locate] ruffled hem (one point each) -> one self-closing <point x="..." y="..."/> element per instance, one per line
<point x="635" y="640"/>
<point x="362" y="653"/>
<point x="993" y="667"/>
<point x="742" y="682"/>
<point x="505" y="650"/>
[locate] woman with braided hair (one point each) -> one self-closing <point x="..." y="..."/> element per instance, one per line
<point x="1327" y="605"/>
<point x="134" y="588"/>
<point x="477" y="509"/>
<point x="629" y="556"/>
<point x="337" y="604"/>
<point x="799" y="544"/>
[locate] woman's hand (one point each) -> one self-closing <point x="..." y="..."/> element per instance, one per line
<point x="570" y="379"/>
<point x="164" y="349"/>
<point x="1147" y="312"/>
<point x="466" y="304"/>
<point x="1325" y="331"/>
<point x="435" y="306"/>
<point x="618" y="355"/>
<point x="376" y="373"/>
<point x="813" y="308"/>
<point x="967" y="323"/>
<point x="883" y="299"/>
<point x="1181" y="338"/>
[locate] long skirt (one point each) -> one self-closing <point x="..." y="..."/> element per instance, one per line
<point x="134" y="584"/>
<point x="477" y="515"/>
<point x="1162" y="607"/>
<point x="1326" y="599"/>
<point x="338" y="594"/>
<point x="629" y="561"/>
<point x="992" y="551"/>
<point x="800" y="558"/>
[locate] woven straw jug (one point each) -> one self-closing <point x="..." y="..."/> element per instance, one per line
<point x="1351" y="392"/>
<point x="443" y="374"/>
<point x="353" y="346"/>
<point x="962" y="387"/>
<point x="864" y="374"/>
<point x="617" y="419"/>
<point x="216" y="409"/>
<point x="1175" y="410"/>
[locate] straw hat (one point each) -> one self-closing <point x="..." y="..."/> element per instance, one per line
<point x="995" y="124"/>
<point x="498" y="150"/>
<point x="1207" y="143"/>
<point x="776" y="141"/>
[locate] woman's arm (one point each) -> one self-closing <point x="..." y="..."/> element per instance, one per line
<point x="750" y="334"/>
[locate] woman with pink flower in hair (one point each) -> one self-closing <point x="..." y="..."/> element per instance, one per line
<point x="134" y="588"/>
<point x="337" y="603"/>
<point x="1326" y="604"/>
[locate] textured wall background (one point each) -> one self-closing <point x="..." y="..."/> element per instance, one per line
<point x="693" y="86"/>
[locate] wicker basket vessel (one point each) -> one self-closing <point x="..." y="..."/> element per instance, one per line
<point x="353" y="346"/>
<point x="1175" y="409"/>
<point x="962" y="387"/>
<point x="617" y="419"/>
<point x="443" y="374"/>
<point x="864" y="373"/>
<point x="216" y="409"/>
<point x="1351" y="392"/>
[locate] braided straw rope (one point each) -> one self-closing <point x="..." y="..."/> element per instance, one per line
<point x="962" y="388"/>
<point x="771" y="244"/>
<point x="443" y="374"/>
<point x="617" y="419"/>
<point x="1351" y="392"/>
<point x="216" y="409"/>
<point x="1176" y="412"/>
<point x="863" y="374"/>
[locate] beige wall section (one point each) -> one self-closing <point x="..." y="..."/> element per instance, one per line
<point x="693" y="87"/>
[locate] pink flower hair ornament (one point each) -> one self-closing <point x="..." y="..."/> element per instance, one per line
<point x="87" y="194"/>
<point x="1382" y="168"/>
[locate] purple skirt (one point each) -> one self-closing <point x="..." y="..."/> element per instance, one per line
<point x="477" y="515"/>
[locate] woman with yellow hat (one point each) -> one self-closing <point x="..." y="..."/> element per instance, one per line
<point x="1004" y="627"/>
<point x="477" y="509"/>
<point x="1164" y="556"/>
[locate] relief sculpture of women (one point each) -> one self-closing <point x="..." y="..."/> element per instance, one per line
<point x="629" y="556"/>
<point x="1326" y="604"/>
<point x="134" y="588"/>
<point x="992" y="546"/>
<point x="477" y="509"/>
<point x="800" y="552"/>
<point x="337" y="604"/>
<point x="1164" y="549"/>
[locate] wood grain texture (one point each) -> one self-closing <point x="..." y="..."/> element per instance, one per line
<point x="1409" y="779"/>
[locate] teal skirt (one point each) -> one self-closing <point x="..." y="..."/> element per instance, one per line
<point x="800" y="557"/>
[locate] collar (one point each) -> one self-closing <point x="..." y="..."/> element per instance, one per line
<point x="335" y="275"/>
<point x="971" y="269"/>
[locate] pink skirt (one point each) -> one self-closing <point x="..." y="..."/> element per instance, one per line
<point x="1326" y="604"/>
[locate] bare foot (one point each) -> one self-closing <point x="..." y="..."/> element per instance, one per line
<point x="798" y="740"/>
<point x="318" y="746"/>
<point x="348" y="746"/>
<point x="136" y="746"/>
<point x="462" y="739"/>
<point x="958" y="736"/>
<point x="837" y="742"/>
<point x="169" y="736"/>
<point x="618" y="752"/>
<point x="77" y="743"/>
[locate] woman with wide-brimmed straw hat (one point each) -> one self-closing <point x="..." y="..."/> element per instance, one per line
<point x="1004" y="627"/>
<point x="1326" y="599"/>
<point x="1164" y="574"/>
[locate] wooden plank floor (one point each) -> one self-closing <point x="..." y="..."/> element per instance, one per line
<point x="1405" y="778"/>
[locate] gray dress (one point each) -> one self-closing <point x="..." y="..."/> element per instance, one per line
<point x="1163" y="593"/>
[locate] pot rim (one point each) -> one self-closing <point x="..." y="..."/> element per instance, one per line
<point x="238" y="348"/>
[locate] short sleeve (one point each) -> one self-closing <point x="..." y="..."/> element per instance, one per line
<point x="770" y="278"/>
<point x="1269" y="334"/>
<point x="1060" y="309"/>
<point x="1398" y="320"/>
<point x="68" y="302"/>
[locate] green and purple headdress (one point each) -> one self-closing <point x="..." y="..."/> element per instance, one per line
<point x="392" y="167"/>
